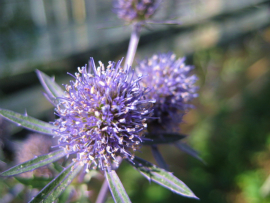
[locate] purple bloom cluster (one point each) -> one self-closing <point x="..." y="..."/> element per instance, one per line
<point x="135" y="10"/>
<point x="172" y="85"/>
<point x="102" y="115"/>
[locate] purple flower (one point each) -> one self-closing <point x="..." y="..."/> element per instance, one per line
<point x="135" y="10"/>
<point x="102" y="115"/>
<point x="173" y="87"/>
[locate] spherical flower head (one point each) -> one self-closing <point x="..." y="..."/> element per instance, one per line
<point x="135" y="10"/>
<point x="172" y="83"/>
<point x="102" y="115"/>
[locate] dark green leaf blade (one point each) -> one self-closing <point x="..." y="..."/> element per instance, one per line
<point x="52" y="191"/>
<point x="117" y="189"/>
<point x="51" y="87"/>
<point x="162" y="177"/>
<point x="34" y="163"/>
<point x="66" y="195"/>
<point x="158" y="157"/>
<point x="164" y="138"/>
<point x="63" y="185"/>
<point x="35" y="182"/>
<point x="27" y="122"/>
<point x="187" y="149"/>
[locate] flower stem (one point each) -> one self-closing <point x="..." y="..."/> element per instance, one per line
<point x="103" y="192"/>
<point x="133" y="44"/>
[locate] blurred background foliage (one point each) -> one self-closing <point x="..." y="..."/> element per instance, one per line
<point x="227" y="41"/>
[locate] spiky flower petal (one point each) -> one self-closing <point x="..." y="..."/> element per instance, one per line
<point x="172" y="86"/>
<point x="102" y="115"/>
<point x="135" y="10"/>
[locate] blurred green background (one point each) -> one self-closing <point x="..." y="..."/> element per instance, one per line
<point x="227" y="41"/>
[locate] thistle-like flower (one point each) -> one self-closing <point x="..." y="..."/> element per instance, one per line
<point x="135" y="10"/>
<point x="172" y="86"/>
<point x="102" y="115"/>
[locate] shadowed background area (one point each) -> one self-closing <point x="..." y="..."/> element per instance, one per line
<point x="227" y="41"/>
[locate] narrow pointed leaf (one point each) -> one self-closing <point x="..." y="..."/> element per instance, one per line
<point x="63" y="185"/>
<point x="58" y="167"/>
<point x="35" y="182"/>
<point x="167" y="22"/>
<point x="67" y="195"/>
<point x="162" y="177"/>
<point x="52" y="89"/>
<point x="52" y="191"/>
<point x="158" y="157"/>
<point x="34" y="163"/>
<point x="187" y="149"/>
<point x="165" y="138"/>
<point x="117" y="189"/>
<point x="27" y="122"/>
<point x="50" y="99"/>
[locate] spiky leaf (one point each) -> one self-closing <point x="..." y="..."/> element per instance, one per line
<point x="164" y="138"/>
<point x="35" y="182"/>
<point x="34" y="163"/>
<point x="52" y="191"/>
<point x="162" y="177"/>
<point x="158" y="157"/>
<point x="117" y="189"/>
<point x="27" y="122"/>
<point x="52" y="89"/>
<point x="187" y="149"/>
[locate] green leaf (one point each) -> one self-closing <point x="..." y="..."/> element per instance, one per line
<point x="167" y="22"/>
<point x="66" y="195"/>
<point x="27" y="122"/>
<point x="187" y="149"/>
<point x="52" y="191"/>
<point x="35" y="182"/>
<point x="158" y="157"/>
<point x="34" y="163"/>
<point x="161" y="177"/>
<point x="52" y="89"/>
<point x="117" y="189"/>
<point x="164" y="138"/>
<point x="57" y="167"/>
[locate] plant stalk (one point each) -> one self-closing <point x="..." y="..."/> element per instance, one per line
<point x="133" y="44"/>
